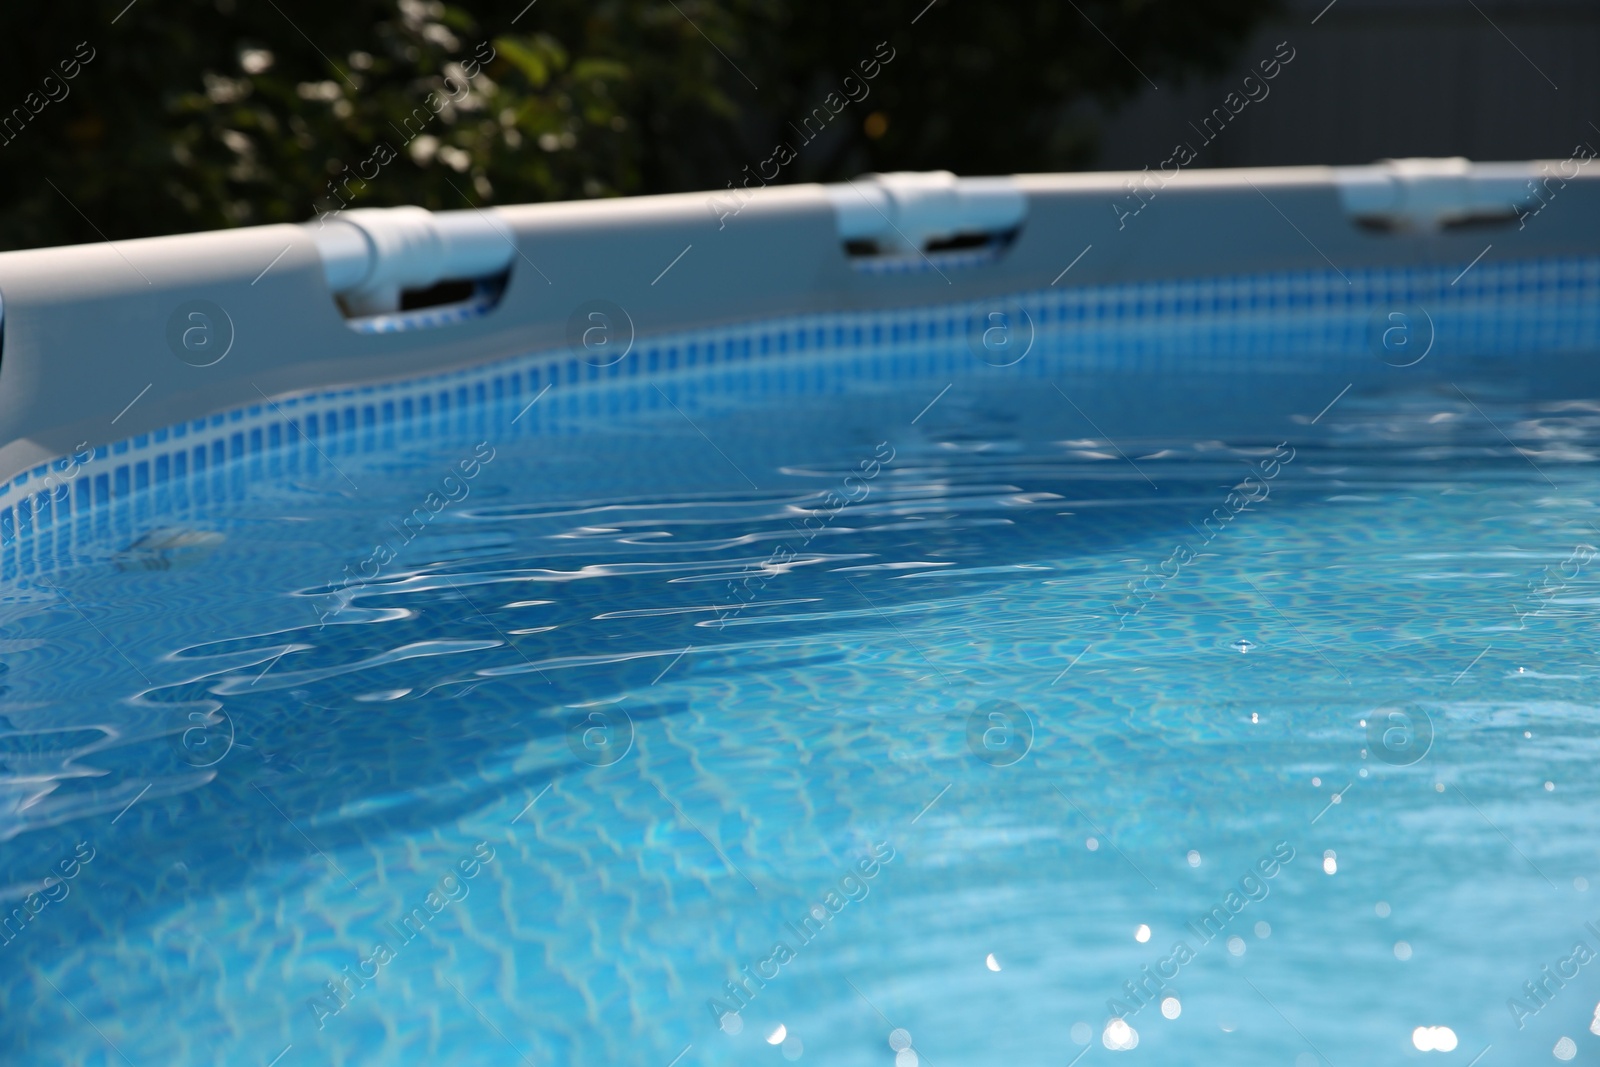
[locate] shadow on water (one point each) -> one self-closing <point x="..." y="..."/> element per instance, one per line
<point x="336" y="750"/>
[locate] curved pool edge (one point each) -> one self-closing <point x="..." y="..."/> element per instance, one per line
<point x="90" y="345"/>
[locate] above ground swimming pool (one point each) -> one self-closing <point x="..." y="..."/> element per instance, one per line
<point x="905" y="660"/>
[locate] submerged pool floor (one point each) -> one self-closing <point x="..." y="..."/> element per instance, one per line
<point x="950" y="722"/>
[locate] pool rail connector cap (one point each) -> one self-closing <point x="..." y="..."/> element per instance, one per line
<point x="371" y="255"/>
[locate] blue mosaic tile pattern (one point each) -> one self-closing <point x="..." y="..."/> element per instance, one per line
<point x="1261" y="324"/>
<point x="928" y="263"/>
<point x="481" y="303"/>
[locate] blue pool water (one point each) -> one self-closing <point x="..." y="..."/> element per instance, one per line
<point x="517" y="733"/>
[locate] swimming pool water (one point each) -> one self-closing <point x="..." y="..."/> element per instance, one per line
<point x="911" y="722"/>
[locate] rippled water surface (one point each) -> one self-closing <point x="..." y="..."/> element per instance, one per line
<point x="1047" y="700"/>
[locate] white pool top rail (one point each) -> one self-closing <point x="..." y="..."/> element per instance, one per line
<point x="105" y="341"/>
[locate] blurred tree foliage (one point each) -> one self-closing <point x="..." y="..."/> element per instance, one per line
<point x="171" y="115"/>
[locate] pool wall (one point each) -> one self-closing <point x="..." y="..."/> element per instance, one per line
<point x="1116" y="267"/>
